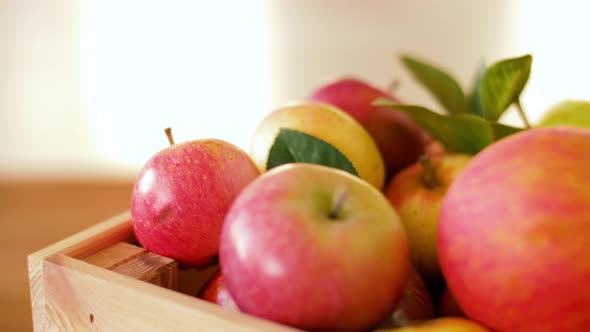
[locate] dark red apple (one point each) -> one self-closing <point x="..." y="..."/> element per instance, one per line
<point x="415" y="304"/>
<point x="215" y="291"/>
<point x="182" y="194"/>
<point x="448" y="306"/>
<point x="399" y="139"/>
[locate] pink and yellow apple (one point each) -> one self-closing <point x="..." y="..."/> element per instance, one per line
<point x="327" y="123"/>
<point x="316" y="248"/>
<point x="399" y="139"/>
<point x="514" y="233"/>
<point x="417" y="193"/>
<point x="182" y="194"/>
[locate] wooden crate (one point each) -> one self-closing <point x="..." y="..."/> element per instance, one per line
<point x="75" y="286"/>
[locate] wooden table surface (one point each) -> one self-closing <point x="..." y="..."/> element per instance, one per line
<point x="36" y="213"/>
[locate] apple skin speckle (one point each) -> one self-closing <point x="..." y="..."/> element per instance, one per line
<point x="181" y="197"/>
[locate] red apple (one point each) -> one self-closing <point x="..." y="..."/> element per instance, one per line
<point x="415" y="304"/>
<point x="316" y="248"/>
<point x="417" y="193"/>
<point x="514" y="233"/>
<point x="215" y="291"/>
<point x="398" y="138"/>
<point x="182" y="194"/>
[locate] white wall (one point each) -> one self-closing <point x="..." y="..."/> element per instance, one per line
<point x="87" y="86"/>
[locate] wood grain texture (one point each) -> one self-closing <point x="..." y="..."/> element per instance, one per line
<point x="83" y="297"/>
<point x="137" y="263"/>
<point x="79" y="245"/>
<point x="115" y="255"/>
<point x="69" y="294"/>
<point x="37" y="212"/>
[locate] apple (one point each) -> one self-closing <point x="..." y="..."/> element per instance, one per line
<point x="399" y="139"/>
<point x="327" y="123"/>
<point x="315" y="248"/>
<point x="415" y="304"/>
<point x="417" y="193"/>
<point x="215" y="291"/>
<point x="514" y="232"/>
<point x="434" y="148"/>
<point x="182" y="194"/>
<point x="574" y="113"/>
<point x="448" y="306"/>
<point x="442" y="324"/>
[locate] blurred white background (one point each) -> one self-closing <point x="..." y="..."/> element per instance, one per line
<point x="86" y="87"/>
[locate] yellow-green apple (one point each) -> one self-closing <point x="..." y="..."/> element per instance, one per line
<point x="448" y="306"/>
<point x="215" y="291"/>
<point x="415" y="304"/>
<point x="574" y="113"/>
<point x="399" y="139"/>
<point x="182" y="194"/>
<point x="442" y="324"/>
<point x="417" y="193"/>
<point x="316" y="248"/>
<point x="514" y="232"/>
<point x="329" y="124"/>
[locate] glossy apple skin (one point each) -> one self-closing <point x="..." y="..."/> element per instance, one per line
<point x="415" y="304"/>
<point x="443" y="324"/>
<point x="399" y="139"/>
<point x="418" y="207"/>
<point x="514" y="233"/>
<point x="215" y="291"/>
<point x="285" y="260"/>
<point x="329" y="124"/>
<point x="182" y="194"/>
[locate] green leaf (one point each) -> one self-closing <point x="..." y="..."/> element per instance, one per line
<point x="474" y="97"/>
<point x="502" y="84"/>
<point x="441" y="85"/>
<point x="464" y="133"/>
<point x="292" y="146"/>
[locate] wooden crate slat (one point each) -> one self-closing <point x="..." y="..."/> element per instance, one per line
<point x="70" y="294"/>
<point x="81" y="296"/>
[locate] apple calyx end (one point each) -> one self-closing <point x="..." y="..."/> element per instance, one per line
<point x="340" y="195"/>
<point x="168" y="132"/>
<point x="429" y="177"/>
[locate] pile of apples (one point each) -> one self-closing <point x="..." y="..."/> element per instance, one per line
<point x="348" y="215"/>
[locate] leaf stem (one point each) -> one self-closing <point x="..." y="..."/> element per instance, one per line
<point x="429" y="177"/>
<point x="523" y="116"/>
<point x="168" y="132"/>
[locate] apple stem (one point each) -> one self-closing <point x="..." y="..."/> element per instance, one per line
<point x="340" y="195"/>
<point x="523" y="116"/>
<point x="428" y="175"/>
<point x="168" y="132"/>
